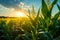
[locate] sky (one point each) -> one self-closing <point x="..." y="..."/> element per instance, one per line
<point x="8" y="7"/>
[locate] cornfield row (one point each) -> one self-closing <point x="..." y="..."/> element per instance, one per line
<point x="40" y="26"/>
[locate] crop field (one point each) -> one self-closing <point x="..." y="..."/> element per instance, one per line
<point x="40" y="26"/>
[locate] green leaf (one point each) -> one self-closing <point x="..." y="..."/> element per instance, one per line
<point x="45" y="36"/>
<point x="56" y="16"/>
<point x="29" y="12"/>
<point x="38" y="13"/>
<point x="33" y="11"/>
<point x="58" y="7"/>
<point x="48" y="2"/>
<point x="37" y="17"/>
<point x="52" y="5"/>
<point x="54" y="2"/>
<point x="45" y="10"/>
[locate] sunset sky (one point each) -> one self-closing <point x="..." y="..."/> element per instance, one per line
<point x="10" y="7"/>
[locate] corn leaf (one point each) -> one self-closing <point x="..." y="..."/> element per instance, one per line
<point x="33" y="11"/>
<point x="56" y="16"/>
<point x="52" y="5"/>
<point x="58" y="7"/>
<point x="37" y="17"/>
<point x="45" y="10"/>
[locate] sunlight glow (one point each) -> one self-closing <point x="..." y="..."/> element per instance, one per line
<point x="20" y="14"/>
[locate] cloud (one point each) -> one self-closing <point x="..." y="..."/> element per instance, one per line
<point x="21" y="3"/>
<point x="26" y="7"/>
<point x="10" y="3"/>
<point x="23" y="6"/>
<point x="15" y="5"/>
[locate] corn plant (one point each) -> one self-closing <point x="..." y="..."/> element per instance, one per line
<point x="38" y="27"/>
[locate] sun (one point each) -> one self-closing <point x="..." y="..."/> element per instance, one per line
<point x="20" y="14"/>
